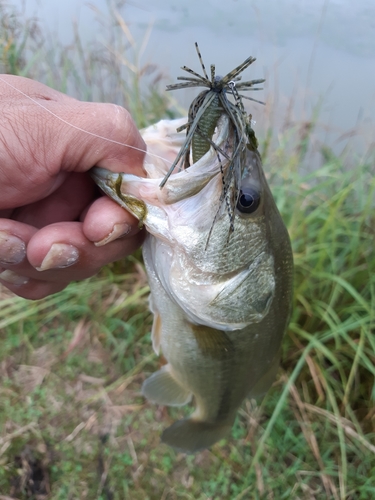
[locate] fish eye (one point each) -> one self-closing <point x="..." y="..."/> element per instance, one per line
<point x="248" y="200"/>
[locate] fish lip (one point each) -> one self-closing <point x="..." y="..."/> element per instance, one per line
<point x="108" y="182"/>
<point x="100" y="174"/>
<point x="101" y="177"/>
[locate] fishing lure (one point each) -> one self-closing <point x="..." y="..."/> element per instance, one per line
<point x="208" y="106"/>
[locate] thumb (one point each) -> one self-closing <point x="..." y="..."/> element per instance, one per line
<point x="46" y="134"/>
<point x="104" y="135"/>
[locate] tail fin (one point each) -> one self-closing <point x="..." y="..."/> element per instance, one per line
<point x="189" y="435"/>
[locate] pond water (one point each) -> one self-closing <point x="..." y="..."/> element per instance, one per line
<point x="312" y="52"/>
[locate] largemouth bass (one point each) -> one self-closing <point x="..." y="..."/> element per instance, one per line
<point x="221" y="299"/>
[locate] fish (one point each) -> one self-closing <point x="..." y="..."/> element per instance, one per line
<point x="218" y="258"/>
<point x="221" y="298"/>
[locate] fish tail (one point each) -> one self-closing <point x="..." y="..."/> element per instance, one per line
<point x="191" y="435"/>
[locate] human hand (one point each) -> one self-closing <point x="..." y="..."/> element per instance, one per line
<point x="54" y="225"/>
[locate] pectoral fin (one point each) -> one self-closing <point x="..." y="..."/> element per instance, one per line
<point x="163" y="389"/>
<point x="156" y="333"/>
<point x="213" y="343"/>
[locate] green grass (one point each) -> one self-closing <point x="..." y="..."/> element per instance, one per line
<point x="73" y="424"/>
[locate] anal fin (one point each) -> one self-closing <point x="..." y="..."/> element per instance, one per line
<point x="163" y="389"/>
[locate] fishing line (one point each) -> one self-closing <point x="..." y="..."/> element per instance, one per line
<point x="79" y="128"/>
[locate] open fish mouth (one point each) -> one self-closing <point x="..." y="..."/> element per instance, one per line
<point x="182" y="184"/>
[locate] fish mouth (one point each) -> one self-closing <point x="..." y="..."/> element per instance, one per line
<point x="122" y="187"/>
<point x="108" y="182"/>
<point x="111" y="183"/>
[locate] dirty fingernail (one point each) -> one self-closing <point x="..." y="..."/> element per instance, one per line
<point x="117" y="231"/>
<point x="12" y="249"/>
<point x="13" y="278"/>
<point x="59" y="256"/>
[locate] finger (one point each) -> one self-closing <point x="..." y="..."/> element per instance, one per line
<point x="98" y="134"/>
<point x="14" y="237"/>
<point x="60" y="252"/>
<point x="14" y="267"/>
<point x="106" y="221"/>
<point x="20" y="88"/>
<point x="77" y="121"/>
<point x="65" y="204"/>
<point x="25" y="281"/>
<point x="29" y="288"/>
<point x="45" y="133"/>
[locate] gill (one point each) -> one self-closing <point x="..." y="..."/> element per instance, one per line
<point x="107" y="139"/>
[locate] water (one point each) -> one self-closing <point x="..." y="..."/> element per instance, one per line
<point x="317" y="53"/>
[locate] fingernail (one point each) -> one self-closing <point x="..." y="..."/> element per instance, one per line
<point x="13" y="278"/>
<point x="59" y="256"/>
<point x="117" y="231"/>
<point x="12" y="249"/>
